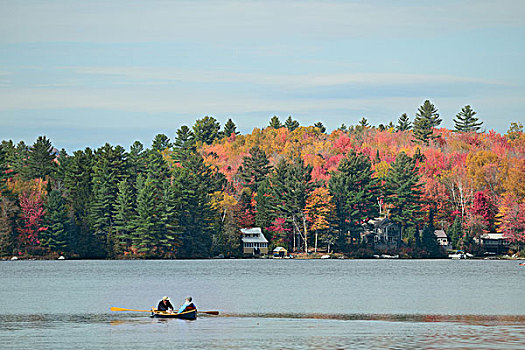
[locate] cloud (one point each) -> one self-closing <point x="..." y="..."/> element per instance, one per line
<point x="153" y="75"/>
<point x="230" y="21"/>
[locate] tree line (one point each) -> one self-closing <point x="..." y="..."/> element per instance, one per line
<point x="188" y="197"/>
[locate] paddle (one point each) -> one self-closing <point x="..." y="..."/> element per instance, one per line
<point x="208" y="312"/>
<point x="113" y="308"/>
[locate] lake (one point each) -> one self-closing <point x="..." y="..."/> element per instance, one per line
<point x="267" y="304"/>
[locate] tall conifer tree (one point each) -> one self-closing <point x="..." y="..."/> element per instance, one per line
<point x="40" y="162"/>
<point x="291" y="124"/>
<point x="403" y="124"/>
<point x="275" y="122"/>
<point x="355" y="192"/>
<point x="466" y="121"/>
<point x="108" y="170"/>
<point x="124" y="215"/>
<point x="427" y="118"/>
<point x="403" y="191"/>
<point x="78" y="186"/>
<point x="254" y="168"/>
<point x="206" y="130"/>
<point x="57" y="236"/>
<point x="230" y="129"/>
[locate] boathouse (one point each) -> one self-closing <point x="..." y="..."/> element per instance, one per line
<point x="253" y="241"/>
<point x="280" y="252"/>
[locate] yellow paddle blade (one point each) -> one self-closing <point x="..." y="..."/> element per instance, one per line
<point x="113" y="308"/>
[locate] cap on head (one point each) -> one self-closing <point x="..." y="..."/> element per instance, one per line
<point x="166" y="298"/>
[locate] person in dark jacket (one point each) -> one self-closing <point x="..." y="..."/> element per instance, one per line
<point x="165" y="305"/>
<point x="187" y="306"/>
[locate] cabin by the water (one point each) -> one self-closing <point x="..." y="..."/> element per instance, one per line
<point x="254" y="242"/>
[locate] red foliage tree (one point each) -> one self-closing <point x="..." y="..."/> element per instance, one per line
<point x="32" y="212"/>
<point x="483" y="206"/>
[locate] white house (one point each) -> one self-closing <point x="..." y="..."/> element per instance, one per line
<point x="253" y="241"/>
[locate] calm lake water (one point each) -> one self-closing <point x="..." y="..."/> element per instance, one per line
<point x="265" y="304"/>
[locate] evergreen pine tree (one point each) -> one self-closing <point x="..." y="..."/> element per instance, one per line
<point x="428" y="238"/>
<point x="426" y="120"/>
<point x="255" y="168"/>
<point x="206" y="130"/>
<point x="137" y="162"/>
<point x="169" y="213"/>
<point x="275" y="122"/>
<point x="147" y="223"/>
<point x="62" y="164"/>
<point x="41" y="160"/>
<point x="403" y="191"/>
<point x="228" y="242"/>
<point x="124" y="215"/>
<point x="108" y="170"/>
<point x="291" y="186"/>
<point x="455" y="233"/>
<point x="18" y="159"/>
<point x="355" y="192"/>
<point x="8" y="214"/>
<point x="320" y="126"/>
<point x="157" y="166"/>
<point x="78" y="188"/>
<point x="4" y="170"/>
<point x="291" y="124"/>
<point x="230" y="128"/>
<point x="466" y="120"/>
<point x="197" y="218"/>
<point x="363" y="123"/>
<point x="403" y="124"/>
<point x="57" y="236"/>
<point x="184" y="144"/>
<point x="266" y="203"/>
<point x="161" y="143"/>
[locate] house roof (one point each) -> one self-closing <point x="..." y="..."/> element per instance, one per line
<point x="440" y="234"/>
<point x="377" y="222"/>
<point x="253" y="231"/>
<point x="492" y="235"/>
<point x="258" y="239"/>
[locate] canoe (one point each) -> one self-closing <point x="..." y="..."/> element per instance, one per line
<point x="185" y="315"/>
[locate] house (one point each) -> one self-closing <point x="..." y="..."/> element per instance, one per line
<point x="441" y="238"/>
<point x="382" y="233"/>
<point x="494" y="243"/>
<point x="253" y="241"/>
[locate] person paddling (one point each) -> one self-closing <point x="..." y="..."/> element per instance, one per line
<point x="187" y="306"/>
<point x="165" y="305"/>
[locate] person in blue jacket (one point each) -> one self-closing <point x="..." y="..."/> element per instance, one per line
<point x="187" y="306"/>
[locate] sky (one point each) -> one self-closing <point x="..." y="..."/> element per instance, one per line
<point x="84" y="73"/>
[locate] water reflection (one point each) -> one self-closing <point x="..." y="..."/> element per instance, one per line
<point x="265" y="330"/>
<point x="468" y="319"/>
<point x="120" y="318"/>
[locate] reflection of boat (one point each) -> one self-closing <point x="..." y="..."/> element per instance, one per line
<point x="458" y="254"/>
<point x="185" y="315"/>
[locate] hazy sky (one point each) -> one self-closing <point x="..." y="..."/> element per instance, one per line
<point x="86" y="72"/>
